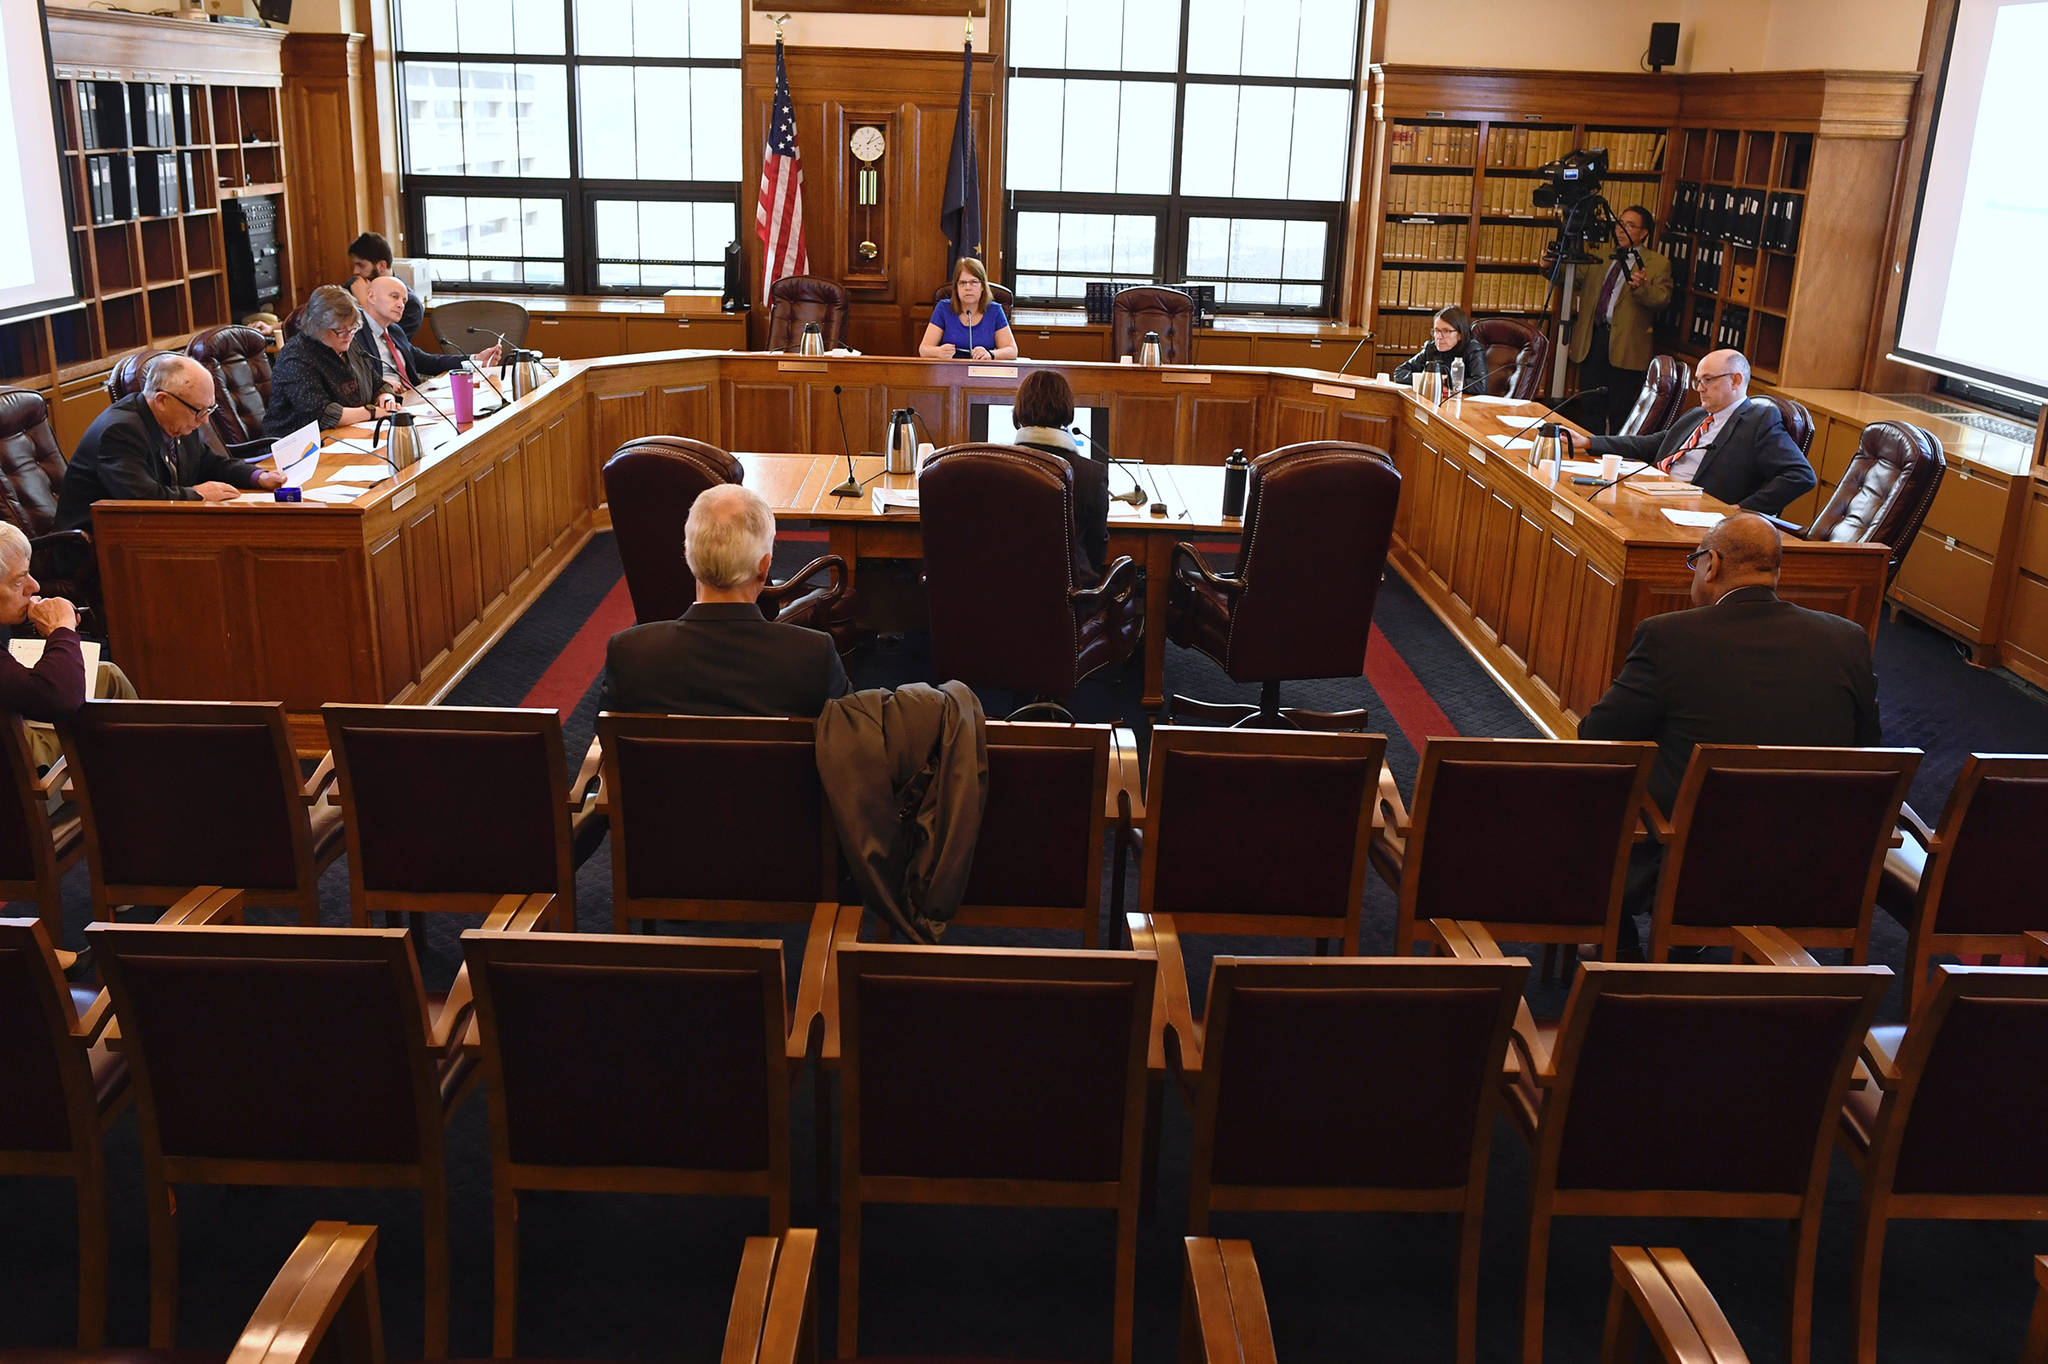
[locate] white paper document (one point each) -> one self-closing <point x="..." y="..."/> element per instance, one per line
<point x="888" y="500"/>
<point x="1489" y="398"/>
<point x="1520" y="423"/>
<point x="1681" y="517"/>
<point x="360" y="473"/>
<point x="335" y="493"/>
<point x="290" y="452"/>
<point x="1514" y="442"/>
<point x="29" y="652"/>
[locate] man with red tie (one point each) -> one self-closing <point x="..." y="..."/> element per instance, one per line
<point x="403" y="364"/>
<point x="1733" y="447"/>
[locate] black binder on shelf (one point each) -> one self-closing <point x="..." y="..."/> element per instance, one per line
<point x="88" y="118"/>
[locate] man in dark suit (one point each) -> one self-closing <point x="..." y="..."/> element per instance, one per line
<point x="1734" y="449"/>
<point x="149" y="445"/>
<point x="722" y="657"/>
<point x="385" y="341"/>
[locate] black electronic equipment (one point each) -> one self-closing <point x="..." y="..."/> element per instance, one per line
<point x="1663" y="47"/>
<point x="255" y="277"/>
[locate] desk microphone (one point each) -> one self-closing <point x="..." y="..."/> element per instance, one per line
<point x="428" y="401"/>
<point x="1136" y="496"/>
<point x="1569" y="399"/>
<point x="850" y="488"/>
<point x="471" y="365"/>
<point x="1354" y="352"/>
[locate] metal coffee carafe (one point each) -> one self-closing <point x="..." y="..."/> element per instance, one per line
<point x="521" y="370"/>
<point x="1429" y="386"/>
<point x="1555" y="444"/>
<point x="404" y="448"/>
<point x="812" y="342"/>
<point x="1148" y="350"/>
<point x="901" y="451"/>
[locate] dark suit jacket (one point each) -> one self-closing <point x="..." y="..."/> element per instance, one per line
<point x="418" y="364"/>
<point x="722" y="658"/>
<point x="124" y="453"/>
<point x="1753" y="463"/>
<point x="1749" y="669"/>
<point x="1091" y="510"/>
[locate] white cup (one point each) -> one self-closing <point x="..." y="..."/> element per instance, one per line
<point x="924" y="451"/>
<point x="1610" y="466"/>
<point x="1386" y="376"/>
<point x="1126" y="360"/>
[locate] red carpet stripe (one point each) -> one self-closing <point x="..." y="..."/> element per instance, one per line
<point x="1407" y="700"/>
<point x="569" y="677"/>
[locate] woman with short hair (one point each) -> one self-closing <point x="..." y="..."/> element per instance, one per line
<point x="321" y="375"/>
<point x="1450" y="339"/>
<point x="1043" y="412"/>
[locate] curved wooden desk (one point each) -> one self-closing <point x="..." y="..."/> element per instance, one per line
<point x="391" y="597"/>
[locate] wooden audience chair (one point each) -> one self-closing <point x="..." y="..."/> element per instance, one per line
<point x="1956" y="1125"/>
<point x="1702" y="1091"/>
<point x="1259" y="831"/>
<point x="179" y="794"/>
<point x="1530" y="837"/>
<point x="620" y="1063"/>
<point x="453" y="808"/>
<point x="1658" y="1289"/>
<point x="1223" y="1305"/>
<point x="991" y="1076"/>
<point x="1038" y="857"/>
<point x="2037" y="1328"/>
<point x="61" y="1088"/>
<point x="1360" y="1085"/>
<point x="36" y="851"/>
<point x="286" y="1056"/>
<point x="1793" y="838"/>
<point x="1974" y="884"/>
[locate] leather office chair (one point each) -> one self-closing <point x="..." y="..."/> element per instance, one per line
<point x="125" y="378"/>
<point x="995" y="291"/>
<point x="1299" y="602"/>
<point x="796" y="299"/>
<point x="1665" y="384"/>
<point x="1798" y="421"/>
<point x="31" y="479"/>
<point x="1148" y="308"/>
<point x="650" y="484"/>
<point x="999" y="554"/>
<point x="1517" y="356"/>
<point x="239" y="358"/>
<point x="473" y="324"/>
<point x="1885" y="492"/>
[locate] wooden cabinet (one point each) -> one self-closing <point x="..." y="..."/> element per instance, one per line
<point x="664" y="332"/>
<point x="576" y="336"/>
<point x="1062" y="343"/>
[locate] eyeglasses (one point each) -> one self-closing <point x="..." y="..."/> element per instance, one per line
<point x="1700" y="381"/>
<point x="1692" y="560"/>
<point x="1444" y="331"/>
<point x="206" y="411"/>
<point x="346" y="333"/>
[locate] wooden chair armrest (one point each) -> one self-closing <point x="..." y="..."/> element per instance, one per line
<point x="1481" y="938"/>
<point x="1226" y="1302"/>
<point x="1700" y="1306"/>
<point x="1767" y="945"/>
<point x="789" y="1333"/>
<point x="2035" y="949"/>
<point x="95" y="1019"/>
<point x="1643" y="1293"/>
<point x="1652" y="825"/>
<point x="1910" y="821"/>
<point x="329" y="1276"/>
<point x="1119" y="583"/>
<point x="1879" y="1060"/>
<point x="807" y="1024"/>
<point x="520" y="913"/>
<point x="322" y="778"/>
<point x="751" y="1290"/>
<point x="55" y="778"/>
<point x="845" y="930"/>
<point x="1172" y="1011"/>
<point x="777" y="598"/>
<point x="1126" y="778"/>
<point x="1183" y="552"/>
<point x="590" y="771"/>
<point x="1391" y="812"/>
<point x="204" y="905"/>
<point x="1448" y="937"/>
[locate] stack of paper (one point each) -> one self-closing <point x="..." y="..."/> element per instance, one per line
<point x="1681" y="517"/>
<point x="888" y="500"/>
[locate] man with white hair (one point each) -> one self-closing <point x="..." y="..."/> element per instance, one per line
<point x="403" y="364"/>
<point x="149" y="446"/>
<point x="723" y="657"/>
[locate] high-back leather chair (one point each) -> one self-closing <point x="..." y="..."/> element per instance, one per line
<point x="995" y="291"/>
<point x="1665" y="384"/>
<point x="1798" y="421"/>
<point x="31" y="479"/>
<point x="1885" y="492"/>
<point x="796" y="299"/>
<point x="1517" y="356"/>
<point x="651" y="483"/>
<point x="473" y="324"/>
<point x="1148" y="308"/>
<point x="239" y="358"/>
<point x="1317" y="520"/>
<point x="124" y="380"/>
<point x="998" y="553"/>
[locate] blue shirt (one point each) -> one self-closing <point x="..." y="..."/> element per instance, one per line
<point x="954" y="332"/>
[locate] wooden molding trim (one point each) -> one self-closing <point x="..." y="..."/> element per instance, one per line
<point x="337" y="56"/>
<point x="145" y="47"/>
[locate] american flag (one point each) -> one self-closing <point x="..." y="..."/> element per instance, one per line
<point x="779" y="218"/>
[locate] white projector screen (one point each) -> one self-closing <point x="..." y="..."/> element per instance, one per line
<point x="35" y="238"/>
<point x="1975" y="282"/>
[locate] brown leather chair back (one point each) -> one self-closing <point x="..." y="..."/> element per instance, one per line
<point x="1798" y="421"/>
<point x="1317" y="520"/>
<point x="998" y="555"/>
<point x="1886" y="490"/>
<point x="31" y="465"/>
<point x="240" y="360"/>
<point x="1517" y="356"/>
<point x="46" y="1080"/>
<point x="651" y="483"/>
<point x="125" y="378"/>
<point x="1148" y="308"/>
<point x="796" y="299"/>
<point x="995" y="291"/>
<point x="474" y="324"/>
<point x="1665" y="384"/>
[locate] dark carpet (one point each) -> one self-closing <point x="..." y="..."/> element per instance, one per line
<point x="649" y="1278"/>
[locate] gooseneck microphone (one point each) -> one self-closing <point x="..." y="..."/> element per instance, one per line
<point x="1569" y="399"/>
<point x="1136" y="496"/>
<point x="851" y="487"/>
<point x="428" y="401"/>
<point x="1354" y="352"/>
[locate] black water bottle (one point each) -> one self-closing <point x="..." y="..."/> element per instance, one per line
<point x="1236" y="473"/>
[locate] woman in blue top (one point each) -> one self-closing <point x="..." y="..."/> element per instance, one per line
<point x="970" y="325"/>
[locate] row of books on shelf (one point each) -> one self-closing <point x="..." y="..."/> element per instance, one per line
<point x="1629" y="152"/>
<point x="1432" y="144"/>
<point x="1402" y="331"/>
<point x="111" y="114"/>
<point x="1747" y="217"/>
<point x="1731" y="332"/>
<point x="1515" y="245"/>
<point x="1441" y="242"/>
<point x="1429" y="194"/>
<point x="1421" y="288"/>
<point x="1500" y="292"/>
<point x="1526" y="148"/>
<point x="1512" y="199"/>
<point x="146" y="184"/>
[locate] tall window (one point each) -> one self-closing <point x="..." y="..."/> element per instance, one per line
<point x="1187" y="140"/>
<point x="577" y="146"/>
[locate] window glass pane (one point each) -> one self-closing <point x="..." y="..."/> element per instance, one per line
<point x="433" y="117"/>
<point x="661" y="28"/>
<point x="1255" y="245"/>
<point x="1151" y="35"/>
<point x="1085" y="242"/>
<point x="1329" y="39"/>
<point x="1215" y="36"/>
<point x="667" y="232"/>
<point x="1038" y="242"/>
<point x="1272" y="40"/>
<point x="618" y="276"/>
<point x="543" y="272"/>
<point x="605" y="122"/>
<point x="618" y="229"/>
<point x="662" y="120"/>
<point x="715" y="30"/>
<point x="1136" y="245"/>
<point x="1095" y="35"/>
<point x="1038" y="32"/>
<point x="1208" y="247"/>
<point x="511" y="231"/>
<point x="1303" y="256"/>
<point x="1144" y="144"/>
<point x="536" y="27"/>
<point x="1209" y="141"/>
<point x="1322" y="122"/>
<point x="717" y="227"/>
<point x="1265" y="125"/>
<point x="427" y="25"/>
<point x="485" y="26"/>
<point x="1033" y="147"/>
<point x="1248" y="294"/>
<point x="447" y="225"/>
<point x="661" y="243"/>
<point x="1301" y="296"/>
<point x="513" y="120"/>
<point x="604" y="28"/>
<point x="543" y="226"/>
<point x="715" y="124"/>
<point x="1037" y="286"/>
<point x="1087" y="156"/>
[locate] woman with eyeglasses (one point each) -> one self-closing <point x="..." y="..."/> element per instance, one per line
<point x="1451" y="338"/>
<point x="320" y="375"/>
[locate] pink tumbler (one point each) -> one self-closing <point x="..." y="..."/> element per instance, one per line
<point x="463" y="390"/>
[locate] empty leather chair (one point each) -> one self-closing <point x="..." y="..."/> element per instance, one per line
<point x="1148" y="308"/>
<point x="31" y="478"/>
<point x="1517" y="356"/>
<point x="995" y="291"/>
<point x="1299" y="602"/>
<point x="1798" y="421"/>
<point x="796" y="299"/>
<point x="650" y="484"/>
<point x="473" y="324"/>
<point x="1665" y="385"/>
<point x="240" y="360"/>
<point x="1885" y="492"/>
<point x="999" y="555"/>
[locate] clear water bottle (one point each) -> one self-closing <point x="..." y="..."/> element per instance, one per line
<point x="1457" y="384"/>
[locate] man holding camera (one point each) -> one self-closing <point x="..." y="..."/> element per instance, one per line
<point x="1619" y="297"/>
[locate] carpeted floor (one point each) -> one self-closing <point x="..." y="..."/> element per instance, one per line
<point x="648" y="1278"/>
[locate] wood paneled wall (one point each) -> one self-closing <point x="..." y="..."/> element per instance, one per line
<point x="915" y="95"/>
<point x="325" y="130"/>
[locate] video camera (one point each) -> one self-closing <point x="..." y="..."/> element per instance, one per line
<point x="1572" y="178"/>
<point x="1571" y="185"/>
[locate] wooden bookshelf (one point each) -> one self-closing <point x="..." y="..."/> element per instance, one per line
<point x="160" y="120"/>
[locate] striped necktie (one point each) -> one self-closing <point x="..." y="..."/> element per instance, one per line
<point x="1691" y="442"/>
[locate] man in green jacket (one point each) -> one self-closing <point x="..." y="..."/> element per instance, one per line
<point x="1619" y="298"/>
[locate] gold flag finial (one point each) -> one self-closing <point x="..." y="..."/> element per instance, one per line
<point x="779" y="20"/>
